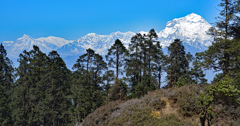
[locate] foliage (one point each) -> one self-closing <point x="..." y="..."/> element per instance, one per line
<point x="116" y="55"/>
<point x="225" y="91"/>
<point x="57" y="90"/>
<point x="145" y="63"/>
<point x="118" y="91"/>
<point x="204" y="104"/>
<point x="87" y="81"/>
<point x="196" y="72"/>
<point x="183" y="81"/>
<point x="42" y="89"/>
<point x="222" y="93"/>
<point x="147" y="84"/>
<point x="178" y="62"/>
<point x="5" y="117"/>
<point x="46" y="92"/>
<point x="6" y="86"/>
<point x="221" y="55"/>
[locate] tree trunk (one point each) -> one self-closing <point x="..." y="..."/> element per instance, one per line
<point x="117" y="63"/>
<point x="159" y="77"/>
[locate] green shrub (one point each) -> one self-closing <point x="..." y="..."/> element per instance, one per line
<point x="225" y="92"/>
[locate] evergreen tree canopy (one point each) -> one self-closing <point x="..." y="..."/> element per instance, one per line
<point x="178" y="62"/>
<point x="87" y="82"/>
<point x="6" y="85"/>
<point x="56" y="100"/>
<point x="145" y="61"/>
<point x="116" y="56"/>
<point x="223" y="55"/>
<point x="6" y="70"/>
<point x="30" y="91"/>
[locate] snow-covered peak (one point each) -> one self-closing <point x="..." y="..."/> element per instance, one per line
<point x="24" y="38"/>
<point x="91" y="34"/>
<point x="191" y="18"/>
<point x="59" y="42"/>
<point x="101" y="43"/>
<point x="7" y="43"/>
<point x="190" y="29"/>
<point x="194" y="18"/>
<point x="117" y="32"/>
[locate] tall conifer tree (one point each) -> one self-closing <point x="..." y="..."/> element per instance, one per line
<point x="116" y="56"/>
<point x="30" y="91"/>
<point x="218" y="56"/>
<point x="134" y="63"/>
<point x="87" y="84"/>
<point x="178" y="62"/>
<point x="6" y="86"/>
<point x="54" y="107"/>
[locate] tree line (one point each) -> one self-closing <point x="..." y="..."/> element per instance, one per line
<point x="43" y="91"/>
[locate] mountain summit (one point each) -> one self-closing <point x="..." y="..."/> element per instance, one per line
<point x="190" y="29"/>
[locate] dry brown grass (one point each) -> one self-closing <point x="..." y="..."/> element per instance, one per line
<point x="163" y="107"/>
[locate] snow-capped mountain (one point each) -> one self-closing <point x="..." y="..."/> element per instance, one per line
<point x="59" y="42"/>
<point x="100" y="43"/>
<point x="26" y="42"/>
<point x="190" y="29"/>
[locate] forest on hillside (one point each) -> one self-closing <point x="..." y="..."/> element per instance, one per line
<point x="43" y="91"/>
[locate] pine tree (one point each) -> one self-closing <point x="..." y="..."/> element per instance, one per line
<point x="197" y="72"/>
<point x="159" y="64"/>
<point x="218" y="55"/>
<point x="145" y="61"/>
<point x="5" y="117"/>
<point x="87" y="84"/>
<point x="20" y="97"/>
<point x="99" y="66"/>
<point x="108" y="79"/>
<point x="235" y="26"/>
<point x="6" y="87"/>
<point x="152" y="55"/>
<point x="134" y="63"/>
<point x="38" y="70"/>
<point x="150" y="50"/>
<point x="56" y="102"/>
<point x="116" y="56"/>
<point x="30" y="90"/>
<point x="6" y="70"/>
<point x="178" y="63"/>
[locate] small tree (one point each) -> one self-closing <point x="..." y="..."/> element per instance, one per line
<point x="118" y="91"/>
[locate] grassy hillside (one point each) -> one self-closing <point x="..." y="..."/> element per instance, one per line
<point x="165" y="107"/>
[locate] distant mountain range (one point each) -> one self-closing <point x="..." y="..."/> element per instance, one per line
<point x="190" y="29"/>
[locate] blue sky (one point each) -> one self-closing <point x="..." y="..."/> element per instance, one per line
<point x="75" y="18"/>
